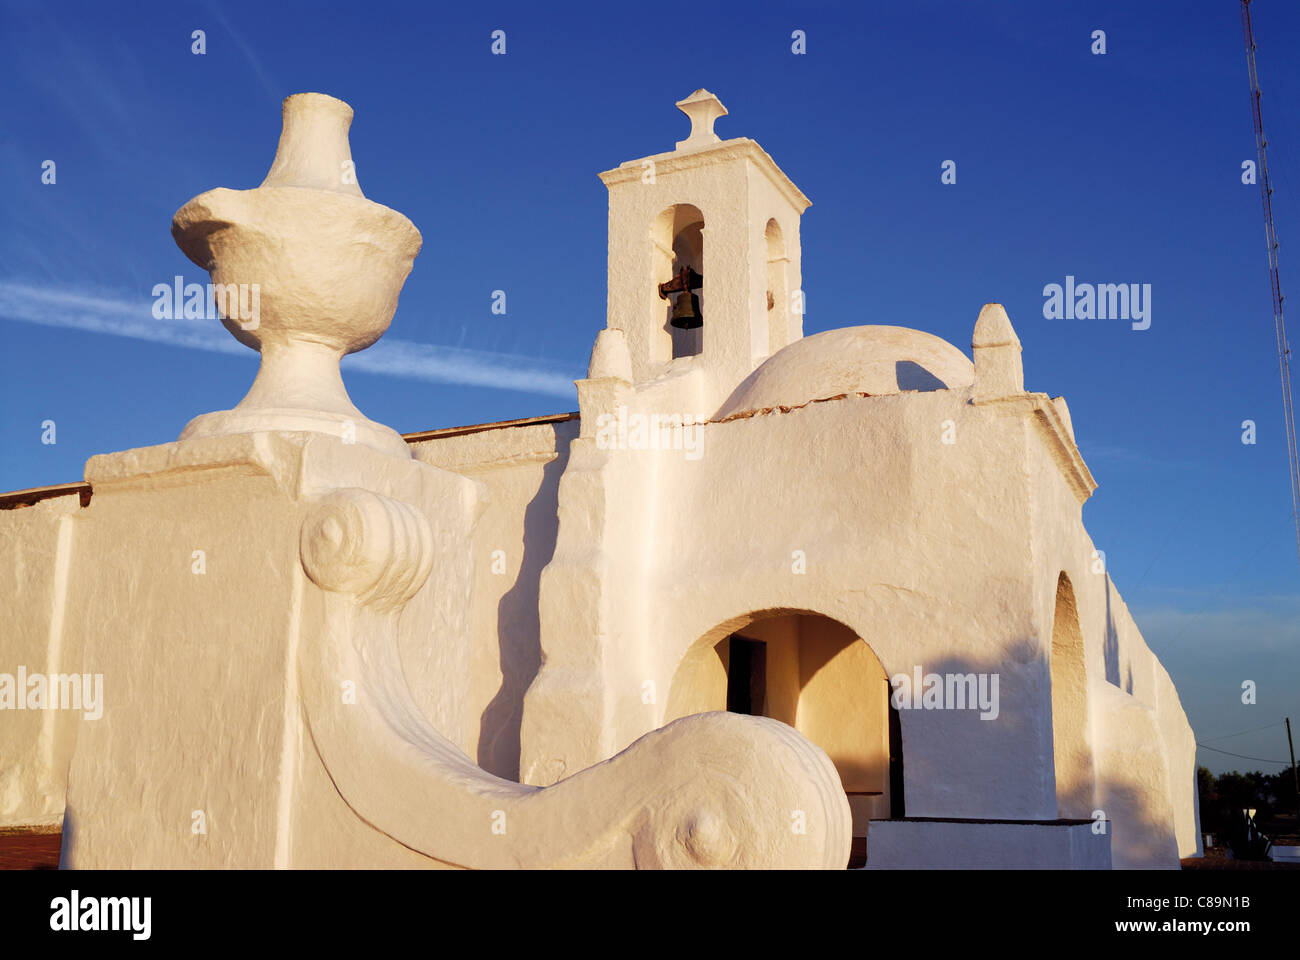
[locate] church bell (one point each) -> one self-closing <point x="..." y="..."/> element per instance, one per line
<point x="686" y="312"/>
<point x="686" y="309"/>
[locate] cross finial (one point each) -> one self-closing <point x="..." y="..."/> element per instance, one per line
<point x="703" y="108"/>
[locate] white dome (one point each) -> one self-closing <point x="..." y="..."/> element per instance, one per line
<point x="876" y="360"/>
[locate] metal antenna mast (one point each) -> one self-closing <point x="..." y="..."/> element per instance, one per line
<point x="1270" y="232"/>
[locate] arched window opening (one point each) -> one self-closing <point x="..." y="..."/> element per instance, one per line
<point x="778" y="292"/>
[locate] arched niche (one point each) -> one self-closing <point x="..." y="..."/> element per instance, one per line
<point x="1071" y="752"/>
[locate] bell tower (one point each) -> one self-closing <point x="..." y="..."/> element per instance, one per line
<point x="704" y="268"/>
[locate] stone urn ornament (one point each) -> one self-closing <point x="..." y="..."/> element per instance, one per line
<point x="327" y="265"/>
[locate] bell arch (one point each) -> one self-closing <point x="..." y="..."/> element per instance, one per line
<point x="1071" y="751"/>
<point x="677" y="235"/>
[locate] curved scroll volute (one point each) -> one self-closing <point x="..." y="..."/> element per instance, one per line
<point x="710" y="790"/>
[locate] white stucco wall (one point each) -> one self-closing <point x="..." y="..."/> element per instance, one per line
<point x="945" y="556"/>
<point x="518" y="468"/>
<point x="921" y="551"/>
<point x="1123" y="676"/>
<point x="36" y="546"/>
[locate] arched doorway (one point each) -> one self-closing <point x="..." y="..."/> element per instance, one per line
<point x="817" y="675"/>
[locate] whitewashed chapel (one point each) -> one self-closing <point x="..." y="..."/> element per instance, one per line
<point x="765" y="600"/>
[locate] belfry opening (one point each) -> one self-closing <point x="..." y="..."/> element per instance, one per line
<point x="679" y="256"/>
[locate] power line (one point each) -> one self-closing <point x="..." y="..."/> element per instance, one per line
<point x="1267" y="726"/>
<point x="1270" y="232"/>
<point x="1242" y="755"/>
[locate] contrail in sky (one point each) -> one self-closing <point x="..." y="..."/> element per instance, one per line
<point x="395" y="358"/>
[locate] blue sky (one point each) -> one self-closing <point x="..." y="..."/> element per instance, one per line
<point x="1117" y="168"/>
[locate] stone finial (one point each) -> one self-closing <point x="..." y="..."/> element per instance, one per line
<point x="703" y="108"/>
<point x="999" y="372"/>
<point x="314" y="151"/>
<point x="610" y="358"/>
<point x="320" y="266"/>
